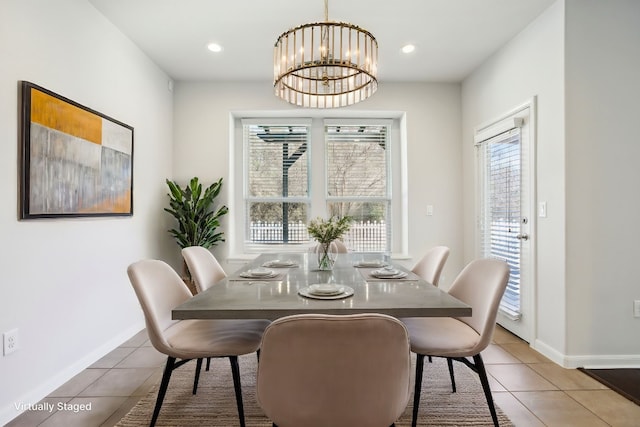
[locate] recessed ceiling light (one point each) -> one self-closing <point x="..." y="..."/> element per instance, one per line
<point x="408" y="48"/>
<point x="214" y="47"/>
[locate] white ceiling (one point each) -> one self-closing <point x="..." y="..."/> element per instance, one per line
<point x="452" y="37"/>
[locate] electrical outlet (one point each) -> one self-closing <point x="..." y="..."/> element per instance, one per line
<point x="636" y="308"/>
<point x="10" y="340"/>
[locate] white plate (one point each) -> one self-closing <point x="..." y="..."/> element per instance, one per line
<point x="386" y="272"/>
<point x="371" y="264"/>
<point x="397" y="275"/>
<point x="259" y="272"/>
<point x="250" y="275"/>
<point x="325" y="289"/>
<point x="348" y="291"/>
<point x="276" y="263"/>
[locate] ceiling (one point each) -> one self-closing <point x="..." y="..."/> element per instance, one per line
<point x="452" y="37"/>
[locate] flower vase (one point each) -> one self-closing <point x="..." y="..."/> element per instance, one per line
<point x="327" y="254"/>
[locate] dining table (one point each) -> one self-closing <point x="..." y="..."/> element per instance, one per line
<point x="275" y="285"/>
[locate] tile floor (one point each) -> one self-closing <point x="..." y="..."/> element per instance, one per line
<point x="532" y="390"/>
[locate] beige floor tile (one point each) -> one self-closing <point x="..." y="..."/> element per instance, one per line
<point x="613" y="408"/>
<point x="137" y="340"/>
<point x="566" y="379"/>
<point x="557" y="409"/>
<point x="501" y="336"/>
<point x="143" y="357"/>
<point x="34" y="417"/>
<point x="112" y="358"/>
<point x="123" y="410"/>
<point x="75" y="385"/>
<point x="93" y="414"/>
<point x="516" y="411"/>
<point x="524" y="353"/>
<point x="494" y="354"/>
<point x="519" y="377"/>
<point x="495" y="384"/>
<point x="118" y="382"/>
<point x="146" y="386"/>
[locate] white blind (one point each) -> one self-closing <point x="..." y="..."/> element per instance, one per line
<point x="358" y="183"/>
<point x="500" y="214"/>
<point x="276" y="183"/>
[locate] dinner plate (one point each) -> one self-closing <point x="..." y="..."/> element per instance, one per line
<point x="259" y="273"/>
<point x="325" y="289"/>
<point x="385" y="272"/>
<point x="348" y="291"/>
<point x="371" y="264"/>
<point x="276" y="263"/>
<point x="389" y="274"/>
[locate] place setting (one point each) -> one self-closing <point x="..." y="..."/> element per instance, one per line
<point x="388" y="273"/>
<point x="372" y="263"/>
<point x="326" y="291"/>
<point x="260" y="273"/>
<point x="280" y="263"/>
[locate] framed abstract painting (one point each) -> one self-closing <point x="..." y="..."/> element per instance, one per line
<point x="75" y="162"/>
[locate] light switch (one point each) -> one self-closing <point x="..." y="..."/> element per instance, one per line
<point x="542" y="209"/>
<point x="429" y="210"/>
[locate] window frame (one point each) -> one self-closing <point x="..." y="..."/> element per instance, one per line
<point x="238" y="250"/>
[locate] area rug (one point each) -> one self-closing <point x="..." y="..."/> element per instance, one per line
<point x="215" y="405"/>
<point x="624" y="381"/>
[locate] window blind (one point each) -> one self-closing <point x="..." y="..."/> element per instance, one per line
<point x="500" y="211"/>
<point x="358" y="183"/>
<point x="276" y="183"/>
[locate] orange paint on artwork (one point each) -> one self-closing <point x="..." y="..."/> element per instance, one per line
<point x="121" y="205"/>
<point x="56" y="114"/>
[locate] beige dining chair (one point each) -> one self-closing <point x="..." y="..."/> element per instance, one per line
<point x="320" y="370"/>
<point x="431" y="264"/>
<point x="159" y="289"/>
<point x="204" y="268"/>
<point x="480" y="285"/>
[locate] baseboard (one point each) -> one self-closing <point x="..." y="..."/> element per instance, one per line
<point x="608" y="361"/>
<point x="44" y="389"/>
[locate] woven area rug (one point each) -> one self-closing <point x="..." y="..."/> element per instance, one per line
<point x="215" y="404"/>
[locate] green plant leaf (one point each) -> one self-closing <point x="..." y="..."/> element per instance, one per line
<point x="195" y="213"/>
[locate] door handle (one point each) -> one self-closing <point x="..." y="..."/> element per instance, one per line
<point x="522" y="236"/>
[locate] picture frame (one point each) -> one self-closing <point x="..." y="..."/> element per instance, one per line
<point x="75" y="161"/>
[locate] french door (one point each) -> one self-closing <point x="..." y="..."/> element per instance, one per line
<point x="504" y="160"/>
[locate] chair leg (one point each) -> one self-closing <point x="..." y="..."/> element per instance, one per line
<point x="197" y="378"/>
<point x="208" y="363"/>
<point x="168" y="369"/>
<point x="453" y="379"/>
<point x="418" y="387"/>
<point x="235" y="371"/>
<point x="482" y="373"/>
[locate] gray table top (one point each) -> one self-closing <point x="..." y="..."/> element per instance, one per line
<point x="238" y="298"/>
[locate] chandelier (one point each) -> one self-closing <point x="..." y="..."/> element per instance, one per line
<point x="325" y="64"/>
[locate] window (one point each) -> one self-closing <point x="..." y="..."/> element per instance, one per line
<point x="357" y="159"/>
<point x="501" y="213"/>
<point x="277" y="183"/>
<point x="287" y="171"/>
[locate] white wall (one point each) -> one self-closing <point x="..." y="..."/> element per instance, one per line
<point x="602" y="111"/>
<point x="581" y="60"/>
<point x="529" y="65"/>
<point x="64" y="283"/>
<point x="202" y="113"/>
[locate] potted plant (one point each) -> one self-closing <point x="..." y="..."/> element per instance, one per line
<point x="198" y="220"/>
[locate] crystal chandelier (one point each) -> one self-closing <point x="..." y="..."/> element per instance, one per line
<point x="325" y="64"/>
